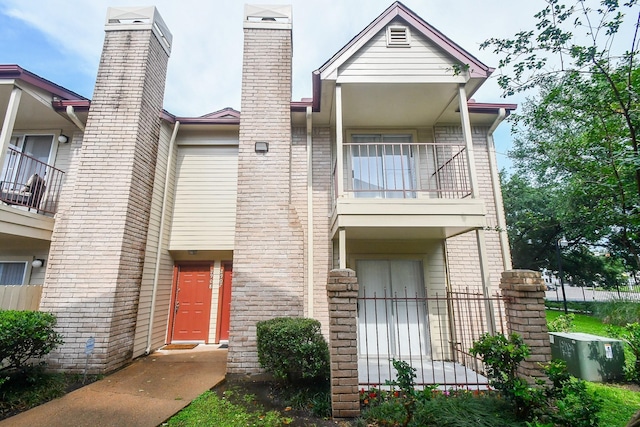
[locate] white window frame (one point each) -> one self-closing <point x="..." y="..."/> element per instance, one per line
<point x="374" y="131"/>
<point x="27" y="270"/>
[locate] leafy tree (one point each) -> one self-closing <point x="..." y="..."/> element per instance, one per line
<point x="576" y="142"/>
<point x="536" y="221"/>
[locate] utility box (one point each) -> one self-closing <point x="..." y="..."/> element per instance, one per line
<point x="590" y="357"/>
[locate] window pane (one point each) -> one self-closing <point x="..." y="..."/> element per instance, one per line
<point x="12" y="273"/>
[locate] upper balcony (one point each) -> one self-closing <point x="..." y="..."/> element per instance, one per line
<point x="29" y="196"/>
<point x="404" y="190"/>
<point x="30" y="184"/>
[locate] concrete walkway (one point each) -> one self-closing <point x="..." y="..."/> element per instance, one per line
<point x="145" y="393"/>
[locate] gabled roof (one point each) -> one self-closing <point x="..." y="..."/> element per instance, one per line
<point x="397" y="9"/>
<point x="226" y="116"/>
<point x="12" y="71"/>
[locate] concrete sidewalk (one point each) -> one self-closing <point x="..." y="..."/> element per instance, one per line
<point x="145" y="393"/>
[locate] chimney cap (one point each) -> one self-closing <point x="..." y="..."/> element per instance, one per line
<point x="139" y="18"/>
<point x="268" y="16"/>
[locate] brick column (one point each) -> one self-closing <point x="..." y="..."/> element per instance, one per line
<point x="524" y="294"/>
<point x="342" y="292"/>
<point x="94" y="271"/>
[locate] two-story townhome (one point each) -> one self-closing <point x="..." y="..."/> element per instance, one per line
<point x="142" y="228"/>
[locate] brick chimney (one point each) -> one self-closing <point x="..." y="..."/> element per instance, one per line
<point x="268" y="269"/>
<point x="94" y="272"/>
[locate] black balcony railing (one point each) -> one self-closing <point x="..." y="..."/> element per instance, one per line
<point x="433" y="334"/>
<point x="28" y="182"/>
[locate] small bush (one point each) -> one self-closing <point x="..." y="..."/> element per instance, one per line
<point x="562" y="323"/>
<point x="502" y="357"/>
<point x="26" y="335"/>
<point x="293" y="349"/>
<point x="618" y="312"/>
<point x="630" y="334"/>
<point x="566" y="402"/>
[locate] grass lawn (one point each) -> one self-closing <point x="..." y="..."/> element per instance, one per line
<point x="618" y="403"/>
<point x="582" y="323"/>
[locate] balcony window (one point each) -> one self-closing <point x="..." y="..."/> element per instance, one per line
<point x="28" y="179"/>
<point x="383" y="166"/>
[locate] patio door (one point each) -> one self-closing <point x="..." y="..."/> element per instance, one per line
<point x="192" y="303"/>
<point x="383" y="166"/>
<point x="391" y="313"/>
<point x="37" y="147"/>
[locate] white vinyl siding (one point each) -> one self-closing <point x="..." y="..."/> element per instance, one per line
<point x="205" y="204"/>
<point x="377" y="59"/>
<point x="165" y="273"/>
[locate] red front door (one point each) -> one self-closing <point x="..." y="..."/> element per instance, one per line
<point x="224" y="303"/>
<point x="192" y="303"/>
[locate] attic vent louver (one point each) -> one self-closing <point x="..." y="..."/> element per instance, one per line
<point x="398" y="36"/>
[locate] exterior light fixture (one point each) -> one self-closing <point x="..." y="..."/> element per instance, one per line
<point x="63" y="139"/>
<point x="37" y="263"/>
<point x="262" y="147"/>
<point x="192" y="252"/>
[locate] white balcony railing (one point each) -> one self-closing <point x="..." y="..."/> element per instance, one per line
<point x="406" y="170"/>
<point x="28" y="182"/>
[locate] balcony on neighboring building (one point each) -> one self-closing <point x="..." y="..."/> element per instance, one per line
<point x="29" y="184"/>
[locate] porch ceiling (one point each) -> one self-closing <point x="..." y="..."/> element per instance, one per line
<point x="398" y="105"/>
<point x="33" y="104"/>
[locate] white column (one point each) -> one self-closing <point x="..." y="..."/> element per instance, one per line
<point x="466" y="133"/>
<point x="339" y="148"/>
<point x="486" y="284"/>
<point x="9" y="122"/>
<point x="342" y="248"/>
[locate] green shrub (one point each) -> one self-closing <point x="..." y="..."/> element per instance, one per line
<point x="293" y="349"/>
<point x="26" y="335"/>
<point x="502" y="357"/>
<point x="618" y="312"/>
<point x="562" y="323"/>
<point x="566" y="402"/>
<point x="630" y="334"/>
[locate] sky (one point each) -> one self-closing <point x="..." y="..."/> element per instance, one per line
<point x="61" y="40"/>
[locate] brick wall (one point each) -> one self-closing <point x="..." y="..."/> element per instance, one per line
<point x="268" y="253"/>
<point x="462" y="251"/>
<point x="97" y="249"/>
<point x="322" y="205"/>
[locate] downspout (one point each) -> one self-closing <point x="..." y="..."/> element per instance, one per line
<point x="74" y="118"/>
<point x="310" y="301"/>
<point x="497" y="193"/>
<point x="156" y="272"/>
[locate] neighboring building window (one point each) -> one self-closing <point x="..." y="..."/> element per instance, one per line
<point x="398" y="36"/>
<point x="12" y="273"/>
<point x="39" y="147"/>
